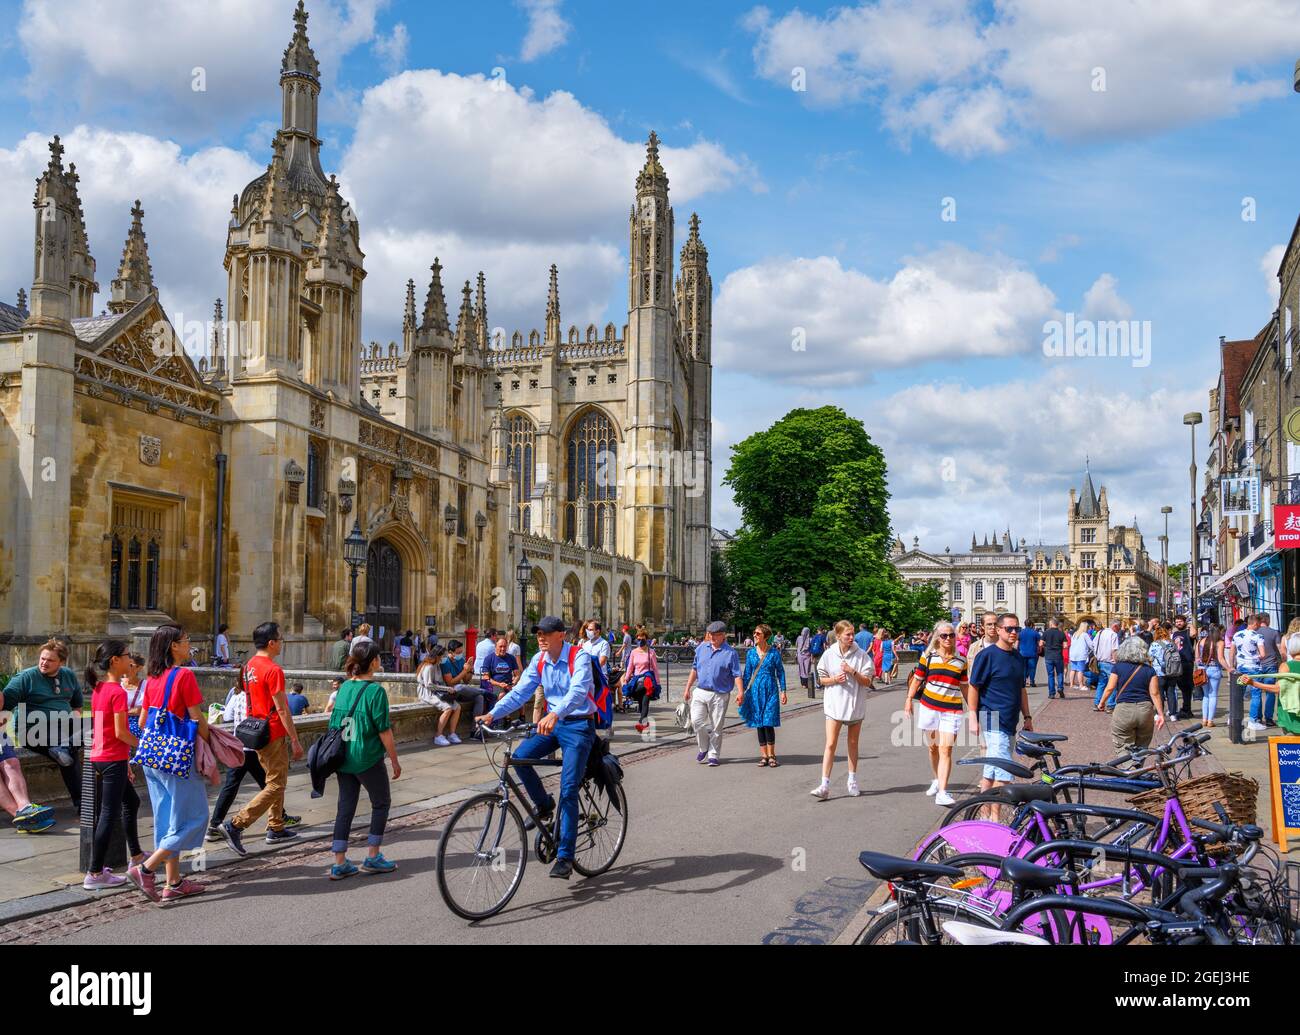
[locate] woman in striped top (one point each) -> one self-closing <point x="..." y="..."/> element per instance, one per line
<point x="939" y="681"/>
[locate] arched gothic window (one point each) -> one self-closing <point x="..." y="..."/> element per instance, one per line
<point x="592" y="467"/>
<point x="521" y="444"/>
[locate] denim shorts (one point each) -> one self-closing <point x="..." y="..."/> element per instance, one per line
<point x="996" y="745"/>
<point x="6" y="749"/>
<point x="1078" y="666"/>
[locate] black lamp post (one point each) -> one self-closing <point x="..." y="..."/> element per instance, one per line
<point x="355" y="547"/>
<point x="524" y="576"/>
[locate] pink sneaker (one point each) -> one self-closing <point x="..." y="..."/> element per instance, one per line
<point x="104" y="879"/>
<point x="146" y="882"/>
<point x="184" y="889"/>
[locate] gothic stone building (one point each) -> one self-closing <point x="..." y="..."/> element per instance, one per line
<point x="145" y="485"/>
<point x="1101" y="573"/>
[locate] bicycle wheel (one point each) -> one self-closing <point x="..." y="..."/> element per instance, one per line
<point x="907" y="924"/>
<point x="481" y="857"/>
<point x="602" y="828"/>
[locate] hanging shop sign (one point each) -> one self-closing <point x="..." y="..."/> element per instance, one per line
<point x="1286" y="525"/>
<point x="1240" y="496"/>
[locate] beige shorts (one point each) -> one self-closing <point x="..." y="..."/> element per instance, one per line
<point x="936" y="719"/>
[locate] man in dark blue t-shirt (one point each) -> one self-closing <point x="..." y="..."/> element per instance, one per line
<point x="998" y="679"/>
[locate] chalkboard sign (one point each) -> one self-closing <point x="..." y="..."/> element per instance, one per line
<point x="1284" y="778"/>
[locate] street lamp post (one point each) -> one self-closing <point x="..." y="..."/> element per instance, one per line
<point x="1191" y="420"/>
<point x="524" y="576"/>
<point x="354" y="554"/>
<point x="449" y="518"/>
<point x="1164" y="564"/>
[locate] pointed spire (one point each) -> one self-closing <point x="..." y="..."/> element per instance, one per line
<point x="480" y="310"/>
<point x="55" y="167"/>
<point x="465" y="330"/>
<point x="408" y="315"/>
<point x="298" y="55"/>
<point x="216" y="354"/>
<point x="134" y="280"/>
<point x="435" y="305"/>
<point x="973" y="544"/>
<point x="693" y="251"/>
<point x="652" y="175"/>
<point x="22" y="300"/>
<point x="1087" y="507"/>
<point x="275" y="189"/>
<point x="553" y="295"/>
<point x="330" y="239"/>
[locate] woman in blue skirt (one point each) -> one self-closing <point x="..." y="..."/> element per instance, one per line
<point x="763" y="693"/>
<point x="180" y="804"/>
<point x="887" y="663"/>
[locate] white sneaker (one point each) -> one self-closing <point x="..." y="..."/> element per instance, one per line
<point x="441" y="742"/>
<point x="944" y="798"/>
<point x="1258" y="727"/>
<point x="822" y="791"/>
<point x="933" y="789"/>
<point x="453" y="739"/>
<point x="853" y="786"/>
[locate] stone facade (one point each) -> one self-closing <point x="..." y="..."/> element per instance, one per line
<point x="990" y="577"/>
<point x="150" y="486"/>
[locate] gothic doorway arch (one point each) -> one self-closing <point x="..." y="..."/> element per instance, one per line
<point x="384" y="592"/>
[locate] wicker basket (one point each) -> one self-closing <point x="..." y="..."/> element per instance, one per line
<point x="1237" y="793"/>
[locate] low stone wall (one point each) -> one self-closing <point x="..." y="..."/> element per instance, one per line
<point x="411" y="722"/>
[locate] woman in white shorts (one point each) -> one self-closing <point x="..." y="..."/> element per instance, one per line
<point x="845" y="671"/>
<point x="432" y="691"/>
<point x="939" y="681"/>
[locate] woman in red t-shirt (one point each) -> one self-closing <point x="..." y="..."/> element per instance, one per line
<point x="180" y="805"/>
<point x="112" y="745"/>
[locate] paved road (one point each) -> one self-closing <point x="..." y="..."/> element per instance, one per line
<point x="733" y="854"/>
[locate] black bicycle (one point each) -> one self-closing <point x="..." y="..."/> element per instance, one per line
<point x="484" y="847"/>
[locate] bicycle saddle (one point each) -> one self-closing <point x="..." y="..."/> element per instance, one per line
<point x="1031" y="875"/>
<point x="1034" y="737"/>
<point x="894" y="868"/>
<point x="1019" y="793"/>
<point x="1051" y="809"/>
<point x="1005" y="764"/>
<point x="1036" y="750"/>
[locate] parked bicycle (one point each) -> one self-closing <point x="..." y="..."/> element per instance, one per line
<point x="484" y="846"/>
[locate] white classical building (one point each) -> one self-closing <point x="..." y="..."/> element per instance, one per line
<point x="993" y="576"/>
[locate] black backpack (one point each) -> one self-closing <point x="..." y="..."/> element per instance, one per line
<point x="328" y="753"/>
<point x="604" y="768"/>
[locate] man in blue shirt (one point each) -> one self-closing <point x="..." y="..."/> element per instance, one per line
<point x="1030" y="645"/>
<point x="998" y="679"/>
<point x="714" y="674"/>
<point x="567" y="725"/>
<point x="863" y="637"/>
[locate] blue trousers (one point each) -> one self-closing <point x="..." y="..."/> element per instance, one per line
<point x="1263" y="706"/>
<point x="574" y="737"/>
<point x="1031" y="668"/>
<point x="1102" y="680"/>
<point x="1055" y="676"/>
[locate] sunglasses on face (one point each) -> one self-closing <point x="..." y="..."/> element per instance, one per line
<point x="946" y="636"/>
<point x="1011" y="629"/>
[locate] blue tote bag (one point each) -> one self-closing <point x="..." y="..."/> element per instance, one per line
<point x="167" y="740"/>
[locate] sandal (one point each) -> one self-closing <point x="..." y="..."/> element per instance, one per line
<point x="773" y="763"/>
<point x="762" y="761"/>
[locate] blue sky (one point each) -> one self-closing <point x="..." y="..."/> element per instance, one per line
<point x="822" y="208"/>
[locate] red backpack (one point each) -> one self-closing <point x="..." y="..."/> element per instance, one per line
<point x="601" y="697"/>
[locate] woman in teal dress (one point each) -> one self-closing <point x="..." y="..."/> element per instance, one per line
<point x="763" y="693"/>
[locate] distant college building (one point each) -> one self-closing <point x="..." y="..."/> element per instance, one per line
<point x="1100" y="573"/>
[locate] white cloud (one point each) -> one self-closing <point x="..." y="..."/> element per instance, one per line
<point x="971" y="78"/>
<point x="1269" y="265"/>
<point x="93" y="60"/>
<point x="186" y="198"/>
<point x="506" y="165"/>
<point x="547" y="29"/>
<point x="1102" y="301"/>
<point x="391" y="49"/>
<point x="947" y="304"/>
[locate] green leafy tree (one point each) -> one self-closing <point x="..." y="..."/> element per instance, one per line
<point x="813" y="545"/>
<point x="723" y="592"/>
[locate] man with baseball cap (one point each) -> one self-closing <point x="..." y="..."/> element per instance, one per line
<point x="567" y="725"/>
<point x="714" y="674"/>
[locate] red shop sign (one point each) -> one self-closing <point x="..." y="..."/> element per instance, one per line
<point x="1286" y="525"/>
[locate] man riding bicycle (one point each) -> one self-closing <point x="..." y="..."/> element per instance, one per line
<point x="566" y="683"/>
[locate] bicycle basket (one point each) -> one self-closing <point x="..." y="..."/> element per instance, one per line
<point x="1236" y="792"/>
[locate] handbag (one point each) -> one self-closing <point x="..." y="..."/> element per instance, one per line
<point x="1199" y="678"/>
<point x="330" y="751"/>
<point x="167" y="740"/>
<point x="683" y="714"/>
<point x="253" y="733"/>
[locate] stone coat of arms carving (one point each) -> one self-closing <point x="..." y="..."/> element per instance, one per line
<point x="150" y="450"/>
